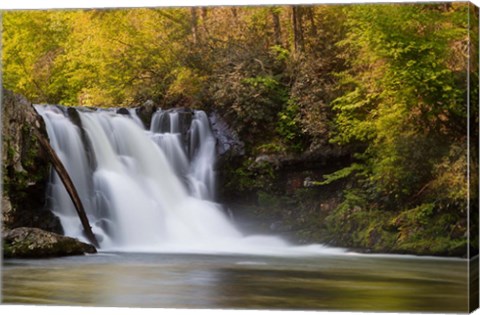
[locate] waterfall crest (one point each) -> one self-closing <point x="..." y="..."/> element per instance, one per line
<point x="145" y="190"/>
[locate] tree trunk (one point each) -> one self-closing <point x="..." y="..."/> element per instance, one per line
<point x="194" y="25"/>
<point x="297" y="29"/>
<point x="204" y="19"/>
<point x="277" y="31"/>
<point x="311" y="17"/>
<point x="69" y="186"/>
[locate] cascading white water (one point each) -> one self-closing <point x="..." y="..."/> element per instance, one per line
<point x="194" y="162"/>
<point x="146" y="190"/>
<point x="202" y="148"/>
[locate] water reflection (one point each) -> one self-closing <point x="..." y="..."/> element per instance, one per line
<point x="196" y="281"/>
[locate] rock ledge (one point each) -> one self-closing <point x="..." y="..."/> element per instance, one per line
<point x="36" y="243"/>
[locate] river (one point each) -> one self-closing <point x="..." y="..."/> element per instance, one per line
<point x="344" y="282"/>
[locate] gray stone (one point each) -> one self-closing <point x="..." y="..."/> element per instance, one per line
<point x="123" y="111"/>
<point x="36" y="243"/>
<point x="25" y="168"/>
<point x="228" y="141"/>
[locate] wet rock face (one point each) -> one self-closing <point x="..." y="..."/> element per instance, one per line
<point x="185" y="117"/>
<point x="230" y="156"/>
<point x="145" y="112"/>
<point x="35" y="243"/>
<point x="228" y="141"/>
<point x="123" y="111"/>
<point x="37" y="218"/>
<point x="19" y="144"/>
<point x="25" y="168"/>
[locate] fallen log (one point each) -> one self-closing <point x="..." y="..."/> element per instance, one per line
<point x="69" y="186"/>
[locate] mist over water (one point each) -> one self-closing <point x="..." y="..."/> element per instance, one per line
<point x="148" y="190"/>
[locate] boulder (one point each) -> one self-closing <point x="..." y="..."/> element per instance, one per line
<point x="123" y="111"/>
<point x="41" y="218"/>
<point x="36" y="243"/>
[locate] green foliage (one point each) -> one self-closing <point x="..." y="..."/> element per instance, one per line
<point x="32" y="45"/>
<point x="281" y="54"/>
<point x="252" y="176"/>
<point x="355" y="224"/>
<point x="404" y="95"/>
<point x="288" y="126"/>
<point x="253" y="101"/>
<point x="420" y="215"/>
<point x="402" y="103"/>
<point x="265" y="82"/>
<point x="273" y="201"/>
<point x="341" y="174"/>
<point x="93" y="57"/>
<point x="429" y="230"/>
<point x="271" y="148"/>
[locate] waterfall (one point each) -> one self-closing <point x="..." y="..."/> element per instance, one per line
<point x="144" y="190"/>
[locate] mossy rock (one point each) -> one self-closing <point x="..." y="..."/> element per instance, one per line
<point x="25" y="168"/>
<point x="36" y="243"/>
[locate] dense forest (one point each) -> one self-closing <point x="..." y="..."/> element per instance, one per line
<point x="387" y="84"/>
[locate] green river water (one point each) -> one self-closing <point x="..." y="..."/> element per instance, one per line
<point x="329" y="282"/>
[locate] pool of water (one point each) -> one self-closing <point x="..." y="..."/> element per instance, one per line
<point x="329" y="282"/>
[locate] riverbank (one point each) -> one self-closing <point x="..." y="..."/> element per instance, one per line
<point x="327" y="214"/>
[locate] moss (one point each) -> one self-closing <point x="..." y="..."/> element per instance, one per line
<point x="423" y="230"/>
<point x="36" y="243"/>
<point x="7" y="250"/>
<point x="251" y="176"/>
<point x="270" y="200"/>
<point x="270" y="148"/>
<point x="426" y="229"/>
<point x="10" y="153"/>
<point x="439" y="245"/>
